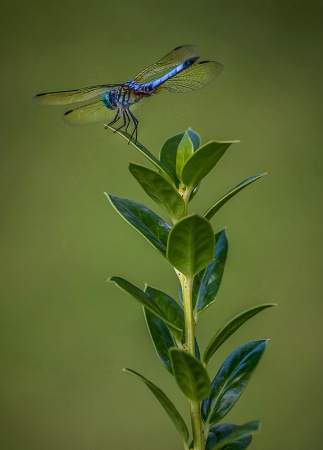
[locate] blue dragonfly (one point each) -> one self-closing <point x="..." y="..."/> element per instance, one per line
<point x="118" y="101"/>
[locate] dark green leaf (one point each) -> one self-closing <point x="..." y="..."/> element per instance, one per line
<point x="231" y="437"/>
<point x="227" y="330"/>
<point x="174" y="313"/>
<point x="159" y="189"/>
<point x="168" y="406"/>
<point x="144" y="299"/>
<point x="169" y="150"/>
<point x="145" y="152"/>
<point x="171" y="309"/>
<point x="202" y="162"/>
<point x="184" y="151"/>
<point x="231" y="380"/>
<point x="191" y="245"/>
<point x="222" y="201"/>
<point x="195" y="138"/>
<point x="190" y="375"/>
<point x="161" y="337"/>
<point x="207" y="282"/>
<point x="151" y="226"/>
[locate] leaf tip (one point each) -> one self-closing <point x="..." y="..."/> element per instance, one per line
<point x="111" y="279"/>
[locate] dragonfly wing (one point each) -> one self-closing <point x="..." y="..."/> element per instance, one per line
<point x="193" y="78"/>
<point x="172" y="59"/>
<point x="95" y="112"/>
<point x="74" y="96"/>
<point x="141" y="103"/>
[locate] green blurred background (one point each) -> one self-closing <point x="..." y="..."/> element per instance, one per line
<point x="65" y="332"/>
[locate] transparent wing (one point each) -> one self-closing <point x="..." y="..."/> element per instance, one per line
<point x="74" y="96"/>
<point x="192" y="78"/>
<point x="96" y="112"/>
<point x="172" y="59"/>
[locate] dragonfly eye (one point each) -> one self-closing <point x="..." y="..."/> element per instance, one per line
<point x="110" y="100"/>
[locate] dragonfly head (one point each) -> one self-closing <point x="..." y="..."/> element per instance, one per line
<point x="110" y="99"/>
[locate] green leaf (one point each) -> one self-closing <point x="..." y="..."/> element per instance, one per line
<point x="191" y="245"/>
<point x="190" y="375"/>
<point x="144" y="299"/>
<point x="222" y="201"/>
<point x="202" y="162"/>
<point x="161" y="338"/>
<point x="149" y="225"/>
<point x="207" y="282"/>
<point x="145" y="152"/>
<point x="169" y="150"/>
<point x="171" y="309"/>
<point x="159" y="189"/>
<point x="230" y="436"/>
<point x="231" y="380"/>
<point x="184" y="151"/>
<point x="168" y="406"/>
<point x="227" y="330"/>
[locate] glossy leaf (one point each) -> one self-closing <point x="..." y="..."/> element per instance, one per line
<point x="231" y="437"/>
<point x="144" y="299"/>
<point x="190" y="375"/>
<point x="168" y="406"/>
<point x="207" y="282"/>
<point x="171" y="309"/>
<point x="161" y="338"/>
<point x="184" y="151"/>
<point x="202" y="162"/>
<point x="169" y="150"/>
<point x="191" y="245"/>
<point x="228" y="329"/>
<point x="149" y="225"/>
<point x="222" y="201"/>
<point x="159" y="189"/>
<point x="231" y="380"/>
<point x="145" y="152"/>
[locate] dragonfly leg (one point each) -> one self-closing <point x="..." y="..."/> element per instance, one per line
<point x="135" y="122"/>
<point x="127" y="117"/>
<point x="126" y="112"/>
<point x="124" y="124"/>
<point x="116" y="118"/>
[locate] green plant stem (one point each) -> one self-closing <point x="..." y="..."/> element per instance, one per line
<point x="186" y="196"/>
<point x="187" y="287"/>
<point x="198" y="437"/>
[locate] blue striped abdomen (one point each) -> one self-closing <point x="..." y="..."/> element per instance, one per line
<point x="151" y="86"/>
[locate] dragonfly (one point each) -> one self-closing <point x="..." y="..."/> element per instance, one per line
<point x="115" y="108"/>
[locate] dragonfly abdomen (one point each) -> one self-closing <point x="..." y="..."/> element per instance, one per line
<point x="153" y="85"/>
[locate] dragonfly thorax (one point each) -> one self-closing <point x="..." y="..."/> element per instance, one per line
<point x="110" y="99"/>
<point x="122" y="98"/>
